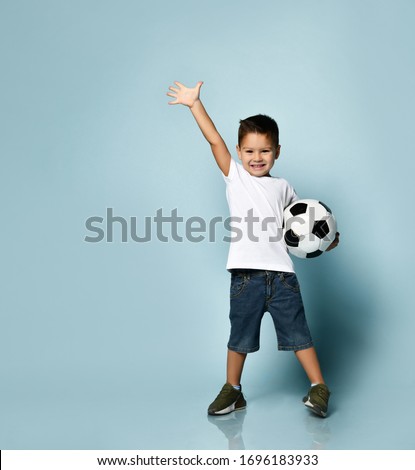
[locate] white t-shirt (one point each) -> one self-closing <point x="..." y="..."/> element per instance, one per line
<point x="256" y="205"/>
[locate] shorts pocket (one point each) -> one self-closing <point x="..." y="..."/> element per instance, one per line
<point x="238" y="284"/>
<point x="290" y="281"/>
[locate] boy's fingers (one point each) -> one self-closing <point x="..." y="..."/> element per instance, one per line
<point x="181" y="91"/>
<point x="173" y="96"/>
<point x="335" y="242"/>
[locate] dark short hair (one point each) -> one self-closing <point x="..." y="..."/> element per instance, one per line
<point x="260" y="124"/>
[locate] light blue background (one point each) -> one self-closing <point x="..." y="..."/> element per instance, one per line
<point x="123" y="345"/>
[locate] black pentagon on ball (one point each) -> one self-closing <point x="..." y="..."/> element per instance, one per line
<point x="314" y="254"/>
<point x="299" y="208"/>
<point x="321" y="228"/>
<point x="325" y="207"/>
<point x="291" y="239"/>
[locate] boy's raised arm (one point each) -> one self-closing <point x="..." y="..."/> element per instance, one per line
<point x="190" y="97"/>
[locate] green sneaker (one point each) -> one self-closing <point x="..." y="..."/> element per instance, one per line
<point x="228" y="400"/>
<point x="318" y="399"/>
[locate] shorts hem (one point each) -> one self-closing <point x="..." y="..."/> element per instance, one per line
<point x="243" y="350"/>
<point x="296" y="348"/>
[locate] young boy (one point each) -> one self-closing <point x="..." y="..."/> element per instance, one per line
<point x="262" y="273"/>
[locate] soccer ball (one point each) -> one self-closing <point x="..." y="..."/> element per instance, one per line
<point x="309" y="228"/>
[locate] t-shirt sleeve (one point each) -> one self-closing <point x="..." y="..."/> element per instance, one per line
<point x="291" y="196"/>
<point x="232" y="171"/>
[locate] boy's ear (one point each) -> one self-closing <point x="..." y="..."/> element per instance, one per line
<point x="238" y="150"/>
<point x="277" y="152"/>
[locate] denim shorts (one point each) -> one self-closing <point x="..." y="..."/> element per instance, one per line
<point x="254" y="292"/>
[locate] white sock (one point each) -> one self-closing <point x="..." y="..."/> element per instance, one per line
<point x="237" y="387"/>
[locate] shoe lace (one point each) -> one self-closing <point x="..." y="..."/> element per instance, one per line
<point x="223" y="392"/>
<point x="322" y="393"/>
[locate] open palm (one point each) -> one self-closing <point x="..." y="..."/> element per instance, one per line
<point x="184" y="95"/>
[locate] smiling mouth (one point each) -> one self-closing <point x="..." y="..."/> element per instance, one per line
<point x="257" y="166"/>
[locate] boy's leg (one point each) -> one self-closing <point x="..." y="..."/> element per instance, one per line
<point x="317" y="398"/>
<point x="235" y="364"/>
<point x="230" y="398"/>
<point x="247" y="301"/>
<point x="308" y="359"/>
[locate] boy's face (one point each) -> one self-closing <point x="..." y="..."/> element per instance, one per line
<point x="257" y="154"/>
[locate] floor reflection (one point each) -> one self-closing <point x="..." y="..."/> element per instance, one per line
<point x="318" y="429"/>
<point x="231" y="426"/>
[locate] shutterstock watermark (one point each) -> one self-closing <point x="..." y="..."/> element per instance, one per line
<point x="174" y="228"/>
